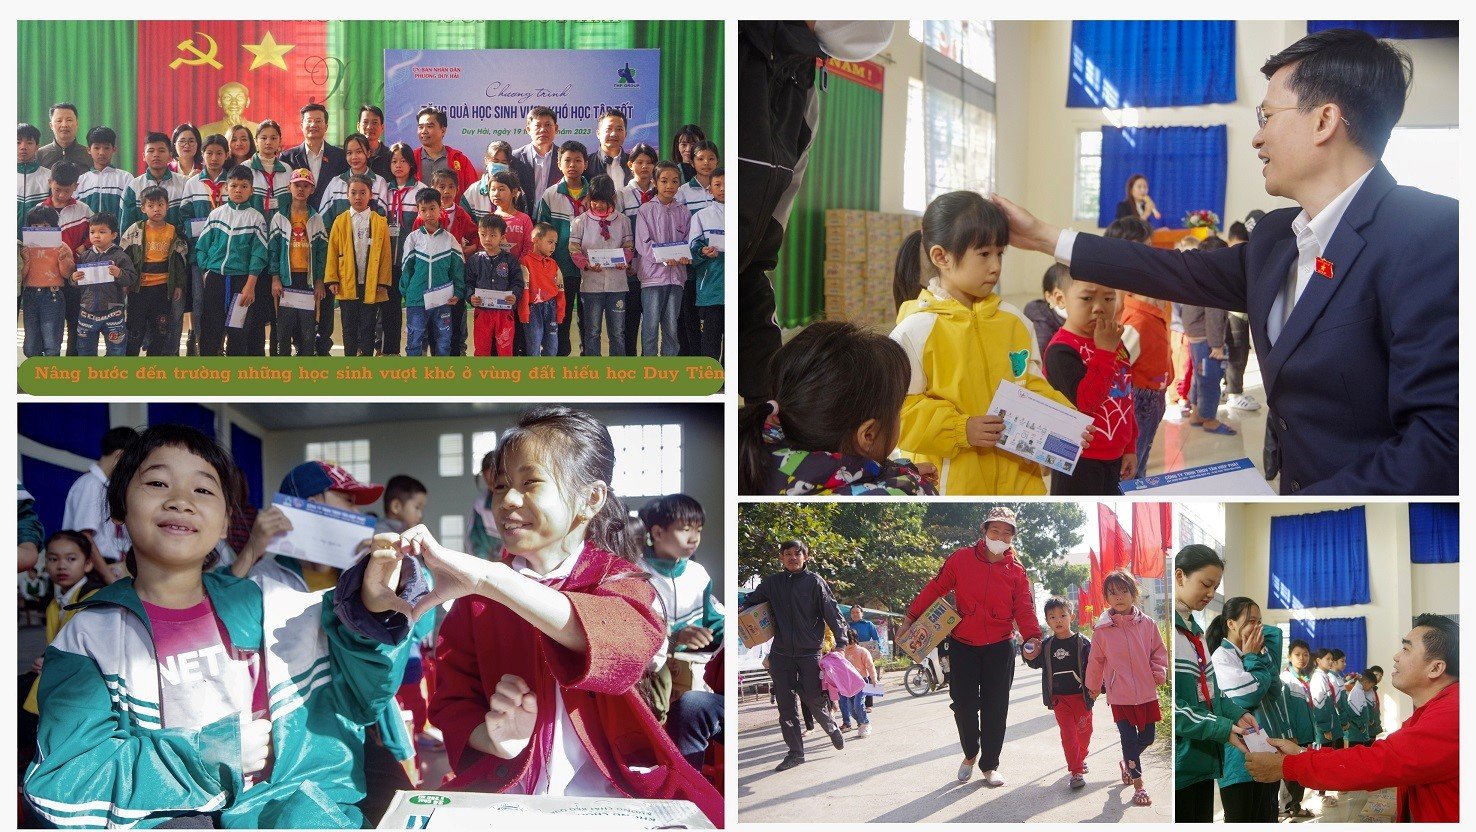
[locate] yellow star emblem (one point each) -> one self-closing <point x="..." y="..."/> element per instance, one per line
<point x="268" y="52"/>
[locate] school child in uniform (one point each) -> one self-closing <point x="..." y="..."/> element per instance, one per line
<point x="494" y="268"/>
<point x="71" y="218"/>
<point x="1128" y="650"/>
<point x="1062" y="659"/>
<point x="1354" y="701"/>
<point x="834" y="419"/>
<point x="232" y="255"/>
<point x="335" y="199"/>
<point x="961" y="340"/>
<point x="44" y="274"/>
<point x="432" y="259"/>
<point x="297" y="242"/>
<point x="559" y="204"/>
<point x="1339" y="664"/>
<point x="31" y="178"/>
<point x="707" y="268"/>
<point x="1245" y="673"/>
<point x="639" y="189"/>
<point x="158" y="151"/>
<point x="1296" y="696"/>
<point x="70" y="566"/>
<point x="477" y="199"/>
<point x="662" y="220"/>
<point x="694" y="614"/>
<point x="1087" y="362"/>
<point x="404" y="508"/>
<point x="358" y="267"/>
<point x="533" y="698"/>
<point x="101" y="186"/>
<point x="602" y="290"/>
<point x="204" y="192"/>
<point x="262" y="735"/>
<point x="101" y="312"/>
<point x="161" y="257"/>
<point x="400" y="215"/>
<point x="696" y="193"/>
<point x="459" y="223"/>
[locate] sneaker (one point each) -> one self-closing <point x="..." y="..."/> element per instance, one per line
<point x="992" y="780"/>
<point x="965" y="771"/>
<point x="864" y="731"/>
<point x="838" y="740"/>
<point x="1243" y="402"/>
<point x="808" y="729"/>
<point x="1077" y="781"/>
<point x="789" y="762"/>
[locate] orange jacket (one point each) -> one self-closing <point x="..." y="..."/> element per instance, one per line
<point x="1153" y="366"/>
<point x="46" y="268"/>
<point x="543" y="273"/>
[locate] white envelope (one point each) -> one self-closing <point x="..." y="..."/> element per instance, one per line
<point x="320" y="533"/>
<point x="1037" y="428"/>
<point x="670" y="251"/>
<point x="197" y="226"/>
<point x="715" y="238"/>
<point x="607" y="258"/>
<point x="1237" y="477"/>
<point x="237" y="318"/>
<point x="41" y="237"/>
<point x="493" y="299"/>
<point x="436" y="298"/>
<point x="95" y="274"/>
<point x="299" y="299"/>
<point x="1256" y="741"/>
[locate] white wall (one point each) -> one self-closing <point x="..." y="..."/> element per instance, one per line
<point x="1398" y="590"/>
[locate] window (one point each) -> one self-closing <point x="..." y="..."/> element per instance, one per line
<point x="914" y="152"/>
<point x="1425" y="157"/>
<point x="648" y="460"/>
<point x="452" y="533"/>
<point x="950" y="113"/>
<point x="350" y="454"/>
<point x="483" y="442"/>
<point x="969" y="43"/>
<point x="1088" y="173"/>
<point x="450" y="453"/>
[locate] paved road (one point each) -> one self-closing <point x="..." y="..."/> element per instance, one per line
<point x="905" y="771"/>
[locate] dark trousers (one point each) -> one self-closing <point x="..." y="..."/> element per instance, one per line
<point x="1092" y="477"/>
<point x="383" y="776"/>
<point x="1134" y="741"/>
<point x="1294" y="794"/>
<point x="712" y="331"/>
<point x="72" y="295"/>
<point x="324" y="345"/>
<point x="458" y="328"/>
<point x="798" y="680"/>
<point x="689" y="325"/>
<point x="391" y="320"/>
<point x="632" y="317"/>
<point x="758" y="333"/>
<point x="980" y="687"/>
<point x="566" y="323"/>
<point x="1148" y="409"/>
<point x="1237" y="353"/>
<point x="148" y="322"/>
<point x="358" y="327"/>
<point x="248" y="339"/>
<point x="694" y="721"/>
<point x="294" y="332"/>
<point x="1196" y="803"/>
<point x="1249" y="802"/>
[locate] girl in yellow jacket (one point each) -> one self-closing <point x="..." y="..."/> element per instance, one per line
<point x="358" y="272"/>
<point x="961" y="340"/>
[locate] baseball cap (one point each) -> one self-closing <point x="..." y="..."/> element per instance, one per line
<point x="1001" y="514"/>
<point x="302" y="175"/>
<point x="316" y="477"/>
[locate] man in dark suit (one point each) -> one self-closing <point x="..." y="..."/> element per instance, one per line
<point x="315" y="153"/>
<point x="537" y="163"/>
<point x="1352" y="297"/>
<point x="609" y="159"/>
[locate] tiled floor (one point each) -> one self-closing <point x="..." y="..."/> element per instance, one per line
<point x="1180" y="445"/>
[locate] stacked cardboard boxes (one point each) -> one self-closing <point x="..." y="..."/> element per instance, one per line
<point x="860" y="255"/>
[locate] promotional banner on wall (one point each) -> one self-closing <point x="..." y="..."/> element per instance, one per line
<point x="487" y="93"/>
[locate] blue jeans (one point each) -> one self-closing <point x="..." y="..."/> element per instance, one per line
<point x="660" y="306"/>
<point x="1148" y="409"/>
<point x="111" y="326"/>
<point x="598" y="307"/>
<point x="695" y="720"/>
<point x="1207" y="375"/>
<point x="542" y="330"/>
<point x="420" y="324"/>
<point x="850" y="705"/>
<point x="1134" y="742"/>
<point x="45" y="313"/>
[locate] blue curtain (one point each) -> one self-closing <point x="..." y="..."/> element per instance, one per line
<point x="1396" y="29"/>
<point x="1434" y="533"/>
<point x="1347" y="634"/>
<point x="196" y="416"/>
<point x="1185" y="166"/>
<point x="246" y="450"/>
<point x="1319" y="560"/>
<point x="1151" y="63"/>
<point x="76" y="428"/>
<point x="49" y="484"/>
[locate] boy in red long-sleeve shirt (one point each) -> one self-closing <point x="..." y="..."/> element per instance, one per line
<point x="542" y="305"/>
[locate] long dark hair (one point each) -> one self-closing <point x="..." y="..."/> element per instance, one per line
<point x="907" y="272"/>
<point x="171" y="436"/>
<point x="199" y="142"/>
<point x="1195" y="557"/>
<point x="697" y="135"/>
<point x="959" y="221"/>
<point x="828" y="380"/>
<point x="580" y="445"/>
<point x="91" y="581"/>
<point x="1129" y="189"/>
<point x="1219" y="628"/>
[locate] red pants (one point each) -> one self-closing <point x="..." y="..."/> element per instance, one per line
<point x="412" y="699"/>
<point x="1074" y="719"/>
<point x="493" y="327"/>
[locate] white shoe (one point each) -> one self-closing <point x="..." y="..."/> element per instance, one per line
<point x="1243" y="402"/>
<point x="864" y="731"/>
<point x="992" y="780"/>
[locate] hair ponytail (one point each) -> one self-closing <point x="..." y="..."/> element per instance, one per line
<point x="751" y="450"/>
<point x="1219" y="628"/>
<point x="907" y="272"/>
<point x="614" y="530"/>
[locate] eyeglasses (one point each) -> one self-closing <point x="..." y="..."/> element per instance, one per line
<point x="1264" y="114"/>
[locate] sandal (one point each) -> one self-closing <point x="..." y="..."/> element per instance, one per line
<point x="1122" y="765"/>
<point x="1222" y="429"/>
<point x="1141" y="798"/>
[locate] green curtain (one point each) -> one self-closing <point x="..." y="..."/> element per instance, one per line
<point x="844" y="172"/>
<point x="687" y="96"/>
<point x="91" y="63"/>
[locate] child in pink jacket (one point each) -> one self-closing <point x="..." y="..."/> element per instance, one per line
<point x="1129" y="658"/>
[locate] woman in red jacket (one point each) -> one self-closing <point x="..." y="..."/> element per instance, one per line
<point x="994" y="597"/>
<point x="537" y="662"/>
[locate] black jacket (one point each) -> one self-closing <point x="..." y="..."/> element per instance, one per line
<point x="1042" y="661"/>
<point x="802" y="606"/>
<point x="334" y="163"/>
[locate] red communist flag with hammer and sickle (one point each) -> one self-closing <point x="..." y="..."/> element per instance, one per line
<point x="217" y="73"/>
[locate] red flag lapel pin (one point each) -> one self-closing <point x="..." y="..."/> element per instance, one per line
<point x="1324" y="268"/>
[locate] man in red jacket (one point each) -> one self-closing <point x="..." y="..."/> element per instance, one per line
<point x="1422" y="758"/>
<point x="993" y="598"/>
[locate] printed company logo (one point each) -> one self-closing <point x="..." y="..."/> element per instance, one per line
<point x="627" y="76"/>
<point x="430" y="800"/>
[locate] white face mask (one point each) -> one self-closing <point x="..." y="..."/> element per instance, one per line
<point x="997" y="547"/>
<point x="853" y="40"/>
<point x="1060" y="312"/>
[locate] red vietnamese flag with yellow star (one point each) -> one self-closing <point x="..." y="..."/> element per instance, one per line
<point x="214" y="73"/>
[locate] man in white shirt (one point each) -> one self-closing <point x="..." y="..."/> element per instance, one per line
<point x="87" y="504"/>
<point x="1351" y="297"/>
